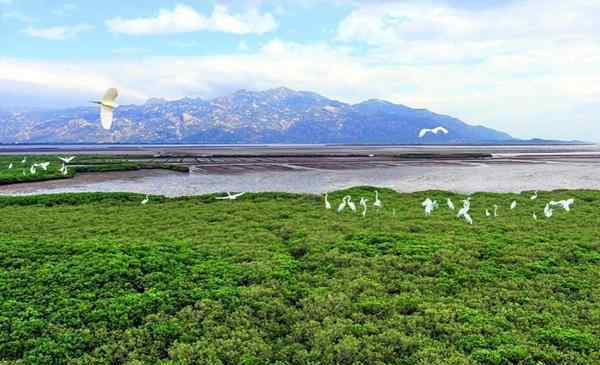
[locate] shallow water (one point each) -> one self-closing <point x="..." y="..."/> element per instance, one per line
<point x="464" y="178"/>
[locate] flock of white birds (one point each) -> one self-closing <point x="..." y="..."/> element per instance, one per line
<point x="33" y="168"/>
<point x="463" y="213"/>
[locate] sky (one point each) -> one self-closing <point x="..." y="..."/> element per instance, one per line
<point x="527" y="67"/>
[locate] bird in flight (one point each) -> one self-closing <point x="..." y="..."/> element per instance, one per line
<point x="565" y="204"/>
<point x="230" y="196"/>
<point x="67" y="159"/>
<point x="107" y="105"/>
<point x="423" y="132"/>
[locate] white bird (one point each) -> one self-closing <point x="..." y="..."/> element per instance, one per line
<point x="468" y="218"/>
<point x="534" y="196"/>
<point x="24" y="160"/>
<point x="230" y="196"/>
<point x="463" y="212"/>
<point x="450" y="204"/>
<point x="32" y="169"/>
<point x="377" y="202"/>
<point x="351" y="204"/>
<point x="342" y="205"/>
<point x="495" y="210"/>
<point x="548" y="211"/>
<point x="66" y="159"/>
<point x="429" y="206"/>
<point x="513" y="205"/>
<point x="10" y="166"/>
<point x="43" y="165"/>
<point x="64" y="169"/>
<point x="327" y="204"/>
<point x="146" y="200"/>
<point x="436" y="130"/>
<point x="565" y="204"/>
<point x="363" y="204"/>
<point x="487" y="213"/>
<point x="534" y="216"/>
<point x="107" y="105"/>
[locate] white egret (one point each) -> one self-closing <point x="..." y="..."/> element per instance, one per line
<point x="66" y="159"/>
<point x="327" y="204"/>
<point x="534" y="216"/>
<point x="146" y="200"/>
<point x="363" y="204"/>
<point x="534" y="196"/>
<point x="107" y="105"/>
<point x="32" y="170"/>
<point x="24" y="159"/>
<point x="377" y="202"/>
<point x="351" y="204"/>
<point x="230" y="196"/>
<point x="43" y="165"/>
<point x="450" y="204"/>
<point x="436" y="130"/>
<point x="495" y="210"/>
<point x="10" y="166"/>
<point x="342" y="205"/>
<point x="468" y="218"/>
<point x="487" y="213"/>
<point x="565" y="204"/>
<point x="548" y="211"/>
<point x="64" y="169"/>
<point x="513" y="205"/>
<point x="429" y="206"/>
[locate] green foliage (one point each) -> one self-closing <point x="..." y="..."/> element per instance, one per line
<point x="83" y="163"/>
<point x="276" y="279"/>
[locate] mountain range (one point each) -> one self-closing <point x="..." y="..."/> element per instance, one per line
<point x="277" y="115"/>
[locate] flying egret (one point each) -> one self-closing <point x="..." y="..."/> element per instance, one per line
<point x="107" y="105"/>
<point x="548" y="211"/>
<point x="146" y="200"/>
<point x="436" y="130"/>
<point x="377" y="202"/>
<point x="327" y="204"/>
<point x="351" y="204"/>
<point x="66" y="159"/>
<point x="495" y="210"/>
<point x="513" y="205"/>
<point x="363" y="204"/>
<point x="534" y="196"/>
<point x="10" y="166"/>
<point x="230" y="196"/>
<point x="342" y="205"/>
<point x="450" y="203"/>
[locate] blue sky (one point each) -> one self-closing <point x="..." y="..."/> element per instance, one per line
<point x="528" y="67"/>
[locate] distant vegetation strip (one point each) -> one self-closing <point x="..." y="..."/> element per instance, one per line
<point x="13" y="170"/>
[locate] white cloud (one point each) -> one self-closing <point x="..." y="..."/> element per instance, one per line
<point x="527" y="82"/>
<point x="183" y="19"/>
<point x="58" y="33"/>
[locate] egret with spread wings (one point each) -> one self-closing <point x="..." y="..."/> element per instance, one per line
<point x="107" y="105"/>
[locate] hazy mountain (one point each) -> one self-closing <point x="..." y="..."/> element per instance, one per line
<point x="273" y="116"/>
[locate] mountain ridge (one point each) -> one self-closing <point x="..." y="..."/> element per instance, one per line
<point x="279" y="115"/>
